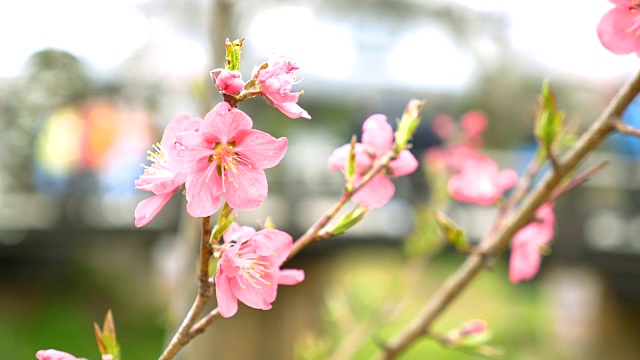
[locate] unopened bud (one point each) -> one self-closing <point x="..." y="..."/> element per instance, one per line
<point x="233" y="49"/>
<point x="408" y="123"/>
<point x="348" y="220"/>
<point x="454" y="234"/>
<point x="473" y="328"/>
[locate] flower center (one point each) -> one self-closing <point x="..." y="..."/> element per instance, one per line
<point x="252" y="270"/>
<point x="635" y="6"/>
<point x="159" y="168"/>
<point x="226" y="162"/>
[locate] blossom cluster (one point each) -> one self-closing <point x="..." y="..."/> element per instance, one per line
<point x="476" y="178"/>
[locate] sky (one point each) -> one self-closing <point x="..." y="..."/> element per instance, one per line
<point x="559" y="34"/>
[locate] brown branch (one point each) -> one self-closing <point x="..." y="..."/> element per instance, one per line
<point x="181" y="338"/>
<point x="497" y="242"/>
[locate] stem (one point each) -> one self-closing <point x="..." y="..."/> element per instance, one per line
<point x="497" y="242"/>
<point x="181" y="338"/>
<point x="311" y="234"/>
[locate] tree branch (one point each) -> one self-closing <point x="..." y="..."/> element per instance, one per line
<point x="497" y="242"/>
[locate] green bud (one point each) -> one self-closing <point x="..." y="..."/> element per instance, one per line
<point x="408" y="123"/>
<point x="456" y="236"/>
<point x="549" y="120"/>
<point x="350" y="167"/>
<point x="106" y="338"/>
<point x="233" y="49"/>
<point x="348" y="220"/>
<point x="225" y="219"/>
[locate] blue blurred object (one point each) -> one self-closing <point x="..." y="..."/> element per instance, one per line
<point x="627" y="144"/>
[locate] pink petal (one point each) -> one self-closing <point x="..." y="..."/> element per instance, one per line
<point x="262" y="150"/>
<point x="180" y="123"/>
<point x="507" y="179"/>
<point x="290" y="277"/>
<point x="612" y="31"/>
<point x="203" y="194"/>
<point x="473" y="123"/>
<point x="237" y="233"/>
<point x="404" y="164"/>
<point x="377" y="134"/>
<point x="248" y="189"/>
<point x="523" y="264"/>
<point x="225" y="121"/>
<point x="52" y="354"/>
<point x="195" y="150"/>
<point x="375" y="193"/>
<point x="292" y="110"/>
<point x="227" y="302"/>
<point x="254" y="296"/>
<point x="281" y="244"/>
<point x="338" y="159"/>
<point x="443" y="126"/>
<point x="148" y="208"/>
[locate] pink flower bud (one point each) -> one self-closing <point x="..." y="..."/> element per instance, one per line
<point x="52" y="354"/>
<point x="229" y="81"/>
<point x="473" y="327"/>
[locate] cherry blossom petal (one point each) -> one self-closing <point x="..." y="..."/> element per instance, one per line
<point x="404" y="164"/>
<point x="377" y="192"/>
<point x="523" y="264"/>
<point x="247" y="190"/>
<point x="290" y="276"/>
<point x="251" y="295"/>
<point x="280" y="244"/>
<point x="227" y="302"/>
<point x="612" y="31"/>
<point x="148" y="208"/>
<point x="225" y="121"/>
<point x="203" y="194"/>
<point x="52" y="354"/>
<point x="260" y="149"/>
<point x="507" y="179"/>
<point x="292" y="110"/>
<point x="338" y="159"/>
<point x="237" y="233"/>
<point x="377" y="134"/>
<point x="179" y="124"/>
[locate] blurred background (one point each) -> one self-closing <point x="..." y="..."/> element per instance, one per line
<point x="87" y="86"/>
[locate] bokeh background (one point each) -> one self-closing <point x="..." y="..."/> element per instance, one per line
<point x="87" y="86"/>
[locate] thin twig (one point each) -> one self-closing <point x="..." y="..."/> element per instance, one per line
<point x="626" y="129"/>
<point x="496" y="243"/>
<point x="311" y="234"/>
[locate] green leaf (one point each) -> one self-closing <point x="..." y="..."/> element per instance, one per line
<point x="454" y="234"/>
<point x="233" y="49"/>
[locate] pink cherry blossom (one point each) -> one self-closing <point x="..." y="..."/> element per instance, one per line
<point x="479" y="180"/>
<point x="52" y="354"/>
<point x="473" y="125"/>
<point x="164" y="177"/>
<point x="249" y="268"/>
<point x="526" y="244"/>
<point x="449" y="157"/>
<point x="225" y="156"/>
<point x="227" y="80"/>
<point x="619" y="28"/>
<point x="276" y="78"/>
<point x="377" y="140"/>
